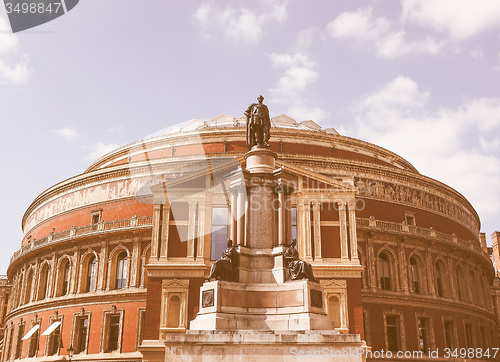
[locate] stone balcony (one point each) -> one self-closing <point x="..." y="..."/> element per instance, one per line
<point x="133" y="223"/>
<point x="420" y="232"/>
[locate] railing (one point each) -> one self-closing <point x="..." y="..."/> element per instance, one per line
<point x="4" y="280"/>
<point x="404" y="228"/>
<point x="101" y="227"/>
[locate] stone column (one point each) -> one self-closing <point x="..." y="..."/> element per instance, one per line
<point x="134" y="268"/>
<point x="281" y="217"/>
<point x="317" y="230"/>
<point x="306" y="221"/>
<point x="234" y="217"/>
<point x="429" y="272"/>
<point x="403" y="265"/>
<point x="240" y="216"/>
<point x="343" y="231"/>
<point x="156" y="237"/>
<point x="201" y="230"/>
<point x="165" y="225"/>
<point x="76" y="272"/>
<point x="352" y="230"/>
<point x="101" y="275"/>
<point x="288" y="220"/>
<point x="371" y="265"/>
<point x="191" y="230"/>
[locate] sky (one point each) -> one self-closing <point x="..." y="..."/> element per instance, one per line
<point x="418" y="77"/>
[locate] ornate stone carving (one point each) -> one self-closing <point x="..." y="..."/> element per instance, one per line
<point x="226" y="267"/>
<point x="419" y="198"/>
<point x="296" y="268"/>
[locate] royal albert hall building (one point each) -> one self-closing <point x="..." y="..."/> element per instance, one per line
<point x="114" y="258"/>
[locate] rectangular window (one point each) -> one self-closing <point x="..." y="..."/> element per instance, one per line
<point x="423" y="334"/>
<point x="468" y="335"/>
<point x="449" y="335"/>
<point x="483" y="338"/>
<point x="81" y="333"/>
<point x="113" y="333"/>
<point x="220" y="231"/>
<point x="141" y="323"/>
<point x="53" y="334"/>
<point x="33" y="343"/>
<point x="19" y="344"/>
<point x="392" y="333"/>
<point x="9" y="346"/>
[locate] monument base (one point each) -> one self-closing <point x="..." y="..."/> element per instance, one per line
<point x="295" y="305"/>
<point x="226" y="346"/>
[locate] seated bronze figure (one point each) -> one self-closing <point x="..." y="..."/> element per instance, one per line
<point x="226" y="267"/>
<point x="296" y="268"/>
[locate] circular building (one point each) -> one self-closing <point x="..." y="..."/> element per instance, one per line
<point x="112" y="260"/>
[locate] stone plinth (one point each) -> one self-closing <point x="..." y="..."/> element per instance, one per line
<point x="261" y="265"/>
<point x="226" y="346"/>
<point x="260" y="160"/>
<point x="296" y="305"/>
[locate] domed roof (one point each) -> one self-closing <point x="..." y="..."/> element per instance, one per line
<point x="224" y="128"/>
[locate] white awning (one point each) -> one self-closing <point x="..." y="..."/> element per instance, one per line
<point x="30" y="333"/>
<point x="52" y="328"/>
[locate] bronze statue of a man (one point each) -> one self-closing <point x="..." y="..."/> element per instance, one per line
<point x="296" y="268"/>
<point x="226" y="267"/>
<point x="258" y="124"/>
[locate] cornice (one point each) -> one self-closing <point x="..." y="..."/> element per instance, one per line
<point x="422" y="301"/>
<point x="79" y="300"/>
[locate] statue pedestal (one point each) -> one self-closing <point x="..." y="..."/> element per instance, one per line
<point x="225" y="346"/>
<point x="260" y="160"/>
<point x="295" y="305"/>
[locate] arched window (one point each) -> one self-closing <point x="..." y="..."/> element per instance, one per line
<point x="63" y="278"/>
<point x="384" y="267"/>
<point x="43" y="283"/>
<point x="91" y="274"/>
<point x="415" y="285"/>
<point x="480" y="291"/>
<point x="29" y="281"/>
<point x="121" y="270"/>
<point x="440" y="278"/>
<point x="459" y="278"/>
<point x="474" y="288"/>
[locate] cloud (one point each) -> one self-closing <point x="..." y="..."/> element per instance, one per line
<point x="358" y="25"/>
<point x="298" y="73"/>
<point x="19" y="72"/>
<point x="450" y="145"/>
<point x="69" y="134"/>
<point x="16" y="74"/>
<point x="8" y="41"/>
<point x="99" y="149"/>
<point x="460" y="18"/>
<point x="306" y="37"/>
<point x="239" y="24"/>
<point x="379" y="35"/>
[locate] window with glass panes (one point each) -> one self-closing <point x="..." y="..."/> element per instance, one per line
<point x="219" y="232"/>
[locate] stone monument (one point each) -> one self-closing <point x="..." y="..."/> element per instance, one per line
<point x="272" y="302"/>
